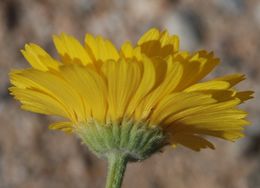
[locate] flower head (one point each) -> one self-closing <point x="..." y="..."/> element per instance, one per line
<point x="151" y="83"/>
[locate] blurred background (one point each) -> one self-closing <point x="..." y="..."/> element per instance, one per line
<point x="31" y="156"/>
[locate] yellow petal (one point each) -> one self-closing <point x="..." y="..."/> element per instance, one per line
<point x="244" y="95"/>
<point x="166" y="39"/>
<point x="58" y="88"/>
<point x="20" y="81"/>
<point x="231" y="135"/>
<point x="146" y="84"/>
<point x="191" y="141"/>
<point x="91" y="89"/>
<point x="100" y="48"/>
<point x="129" y="52"/>
<point x="70" y="50"/>
<point x="63" y="126"/>
<point x="195" y="67"/>
<point x="38" y="58"/>
<point x="123" y="79"/>
<point x="223" y="115"/>
<point x="232" y="79"/>
<point x="36" y="101"/>
<point x="220" y="95"/>
<point x="158" y="44"/>
<point x="203" y="109"/>
<point x="209" y="85"/>
<point x="151" y="35"/>
<point x="169" y="83"/>
<point x="177" y="102"/>
<point x="207" y="63"/>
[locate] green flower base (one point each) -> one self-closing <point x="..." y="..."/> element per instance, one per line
<point x="120" y="143"/>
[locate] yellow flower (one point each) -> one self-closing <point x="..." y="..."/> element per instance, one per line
<point x="152" y="82"/>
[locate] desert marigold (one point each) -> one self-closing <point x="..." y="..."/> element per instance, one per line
<point x="133" y="100"/>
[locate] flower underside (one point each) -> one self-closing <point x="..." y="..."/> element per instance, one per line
<point x="151" y="82"/>
<point x="135" y="140"/>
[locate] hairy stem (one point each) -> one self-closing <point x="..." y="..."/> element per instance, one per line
<point x="116" y="168"/>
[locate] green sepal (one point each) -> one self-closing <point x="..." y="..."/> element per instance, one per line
<point x="136" y="140"/>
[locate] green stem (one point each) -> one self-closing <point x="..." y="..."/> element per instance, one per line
<point x="116" y="168"/>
